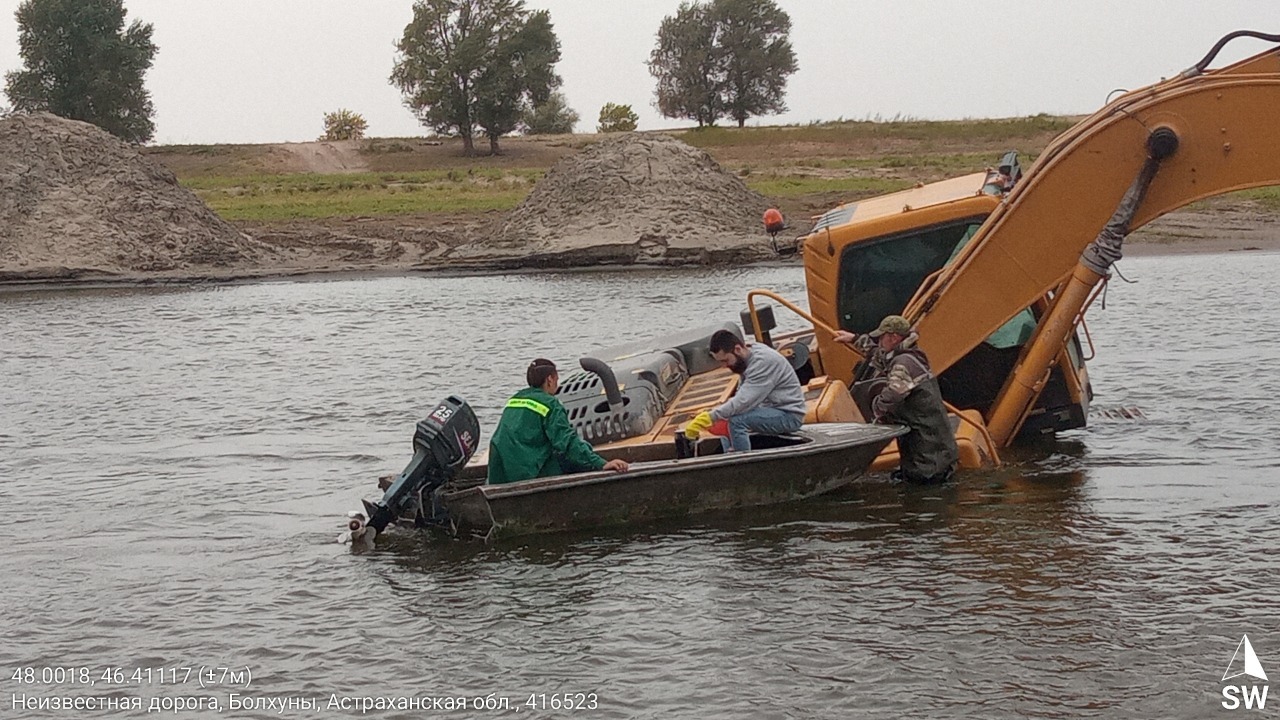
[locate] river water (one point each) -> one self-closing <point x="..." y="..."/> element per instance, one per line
<point x="175" y="465"/>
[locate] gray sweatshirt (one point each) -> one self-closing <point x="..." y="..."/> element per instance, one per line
<point x="769" y="381"/>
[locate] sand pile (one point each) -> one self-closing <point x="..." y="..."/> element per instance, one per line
<point x="76" y="200"/>
<point x="632" y="198"/>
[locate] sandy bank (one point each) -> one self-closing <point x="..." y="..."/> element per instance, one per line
<point x="392" y="246"/>
<point x="78" y="206"/>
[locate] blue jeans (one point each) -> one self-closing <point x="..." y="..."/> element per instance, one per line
<point x="767" y="420"/>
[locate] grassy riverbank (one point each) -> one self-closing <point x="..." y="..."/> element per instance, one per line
<point x="292" y="196"/>
<point x="805" y="169"/>
<point x="807" y="166"/>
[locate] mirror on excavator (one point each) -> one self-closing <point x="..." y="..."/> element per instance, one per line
<point x="1004" y="176"/>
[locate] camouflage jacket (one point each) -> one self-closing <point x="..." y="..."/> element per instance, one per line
<point x="904" y="368"/>
<point x="911" y="397"/>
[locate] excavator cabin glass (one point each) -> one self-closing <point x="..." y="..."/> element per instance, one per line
<point x="878" y="277"/>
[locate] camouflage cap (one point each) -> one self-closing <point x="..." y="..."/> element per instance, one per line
<point x="892" y="324"/>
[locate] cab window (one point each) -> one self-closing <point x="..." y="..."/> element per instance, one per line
<point x="878" y="277"/>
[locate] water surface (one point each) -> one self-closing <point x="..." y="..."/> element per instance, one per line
<point x="175" y="464"/>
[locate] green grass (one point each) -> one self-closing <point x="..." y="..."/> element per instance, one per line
<point x="311" y="182"/>
<point x="847" y="131"/>
<point x="229" y="179"/>
<point x="1267" y="197"/>
<point x="265" y="198"/>
<point x="948" y="163"/>
<point x="361" y="204"/>
<point x="308" y="196"/>
<point x="197" y="149"/>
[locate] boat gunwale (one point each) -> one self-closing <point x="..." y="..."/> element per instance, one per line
<point x="815" y="446"/>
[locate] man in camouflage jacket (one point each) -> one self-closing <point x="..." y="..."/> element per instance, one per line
<point x="909" y="396"/>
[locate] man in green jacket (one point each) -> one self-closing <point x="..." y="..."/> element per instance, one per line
<point x="534" y="438"/>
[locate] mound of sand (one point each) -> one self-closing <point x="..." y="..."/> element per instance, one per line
<point x="75" y="200"/>
<point x="632" y="198"/>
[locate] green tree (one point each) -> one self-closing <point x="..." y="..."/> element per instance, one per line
<point x="521" y="75"/>
<point x="617" y="118"/>
<point x="344" y="125"/>
<point x="757" y="57"/>
<point x="726" y="58"/>
<point x="553" y="117"/>
<point x="475" y="65"/>
<point x="687" y="66"/>
<point x="82" y="63"/>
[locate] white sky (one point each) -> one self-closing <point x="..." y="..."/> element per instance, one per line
<point x="252" y="71"/>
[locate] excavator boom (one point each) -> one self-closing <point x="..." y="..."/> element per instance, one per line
<point x="1227" y="124"/>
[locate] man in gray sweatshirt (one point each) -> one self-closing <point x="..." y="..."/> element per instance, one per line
<point x="769" y="398"/>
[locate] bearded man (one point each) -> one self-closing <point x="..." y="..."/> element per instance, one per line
<point x="769" y="399"/>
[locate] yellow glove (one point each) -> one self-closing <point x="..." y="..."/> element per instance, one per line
<point x="700" y="422"/>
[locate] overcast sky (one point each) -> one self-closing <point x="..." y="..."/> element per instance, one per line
<point x="253" y="71"/>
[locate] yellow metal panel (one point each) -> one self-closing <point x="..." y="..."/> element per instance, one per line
<point x="918" y="198"/>
<point x="702" y="392"/>
<point x="830" y="401"/>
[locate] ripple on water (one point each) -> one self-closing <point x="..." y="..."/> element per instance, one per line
<point x="177" y="462"/>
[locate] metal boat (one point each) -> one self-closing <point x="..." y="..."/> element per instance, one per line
<point x="440" y="488"/>
<point x="812" y="461"/>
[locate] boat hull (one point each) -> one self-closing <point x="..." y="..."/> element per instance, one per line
<point x="825" y="457"/>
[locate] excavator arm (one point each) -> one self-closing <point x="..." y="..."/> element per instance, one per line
<point x="1227" y="128"/>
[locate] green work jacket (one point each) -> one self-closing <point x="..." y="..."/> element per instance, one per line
<point x="534" y="439"/>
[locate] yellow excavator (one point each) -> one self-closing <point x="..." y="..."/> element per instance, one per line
<point x="995" y="271"/>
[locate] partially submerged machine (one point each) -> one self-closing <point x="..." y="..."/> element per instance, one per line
<point x="995" y="270"/>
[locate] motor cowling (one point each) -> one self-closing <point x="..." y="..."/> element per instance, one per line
<point x="443" y="442"/>
<point x="451" y="433"/>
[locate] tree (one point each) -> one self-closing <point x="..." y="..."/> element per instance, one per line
<point x="617" y="118"/>
<point x="728" y="58"/>
<point x="553" y="117"/>
<point x="344" y="125"/>
<point x="468" y="65"/>
<point x="521" y="75"/>
<point x="687" y="67"/>
<point x="81" y="63"/>
<point x="757" y="57"/>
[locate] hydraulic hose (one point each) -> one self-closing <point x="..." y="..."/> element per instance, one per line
<point x="1204" y="64"/>
<point x="1105" y="249"/>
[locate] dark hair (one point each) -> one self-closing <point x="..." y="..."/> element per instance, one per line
<point x="538" y="372"/>
<point x="724" y="341"/>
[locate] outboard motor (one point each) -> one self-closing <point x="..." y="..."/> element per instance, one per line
<point x="442" y="445"/>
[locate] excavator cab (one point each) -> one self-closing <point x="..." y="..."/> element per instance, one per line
<point x="870" y="259"/>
